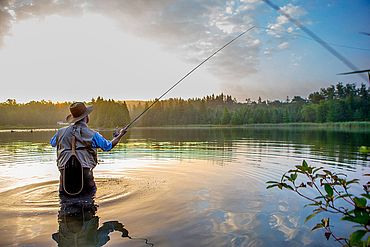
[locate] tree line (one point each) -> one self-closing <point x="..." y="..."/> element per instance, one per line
<point x="332" y="104"/>
<point x="106" y="113"/>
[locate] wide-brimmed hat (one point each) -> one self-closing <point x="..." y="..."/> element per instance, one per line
<point x="78" y="111"/>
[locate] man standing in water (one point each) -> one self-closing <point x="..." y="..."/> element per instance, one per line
<point x="77" y="151"/>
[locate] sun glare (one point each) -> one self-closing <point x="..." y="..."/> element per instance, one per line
<point x="70" y="58"/>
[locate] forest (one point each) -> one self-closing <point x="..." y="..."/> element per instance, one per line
<point x="46" y="114"/>
<point x="333" y="104"/>
<point x="337" y="103"/>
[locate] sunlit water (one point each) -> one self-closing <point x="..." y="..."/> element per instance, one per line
<point x="175" y="187"/>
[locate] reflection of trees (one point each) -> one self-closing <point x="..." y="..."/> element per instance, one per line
<point x="41" y="137"/>
<point x="340" y="146"/>
<point x="23" y="136"/>
<point x="181" y="144"/>
<point x="208" y="143"/>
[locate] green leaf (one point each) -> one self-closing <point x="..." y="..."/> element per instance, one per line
<point x="304" y="163"/>
<point x="318" y="226"/>
<point x="310" y="217"/>
<point x="304" y="167"/>
<point x="327" y="172"/>
<point x="299" y="168"/>
<point x="366" y="195"/>
<point x="356" y="236"/>
<point x="349" y="218"/>
<point x="287" y="186"/>
<point x="319" y="197"/>
<point x="353" y="181"/>
<point x="329" y="190"/>
<point x="361" y="216"/>
<point x="271" y="182"/>
<point x="291" y="171"/>
<point x="313" y="204"/>
<point x="309" y="169"/>
<point x="320" y="209"/>
<point x="293" y="176"/>
<point x="271" y="186"/>
<point x="325" y="222"/>
<point x="317" y="169"/>
<point x="360" y="202"/>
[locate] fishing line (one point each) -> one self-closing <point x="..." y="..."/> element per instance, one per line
<point x="308" y="38"/>
<point x="314" y="36"/>
<point x="186" y="75"/>
<point x="278" y="9"/>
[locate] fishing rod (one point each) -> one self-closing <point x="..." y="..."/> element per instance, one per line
<point x="186" y="75"/>
<point x="320" y="41"/>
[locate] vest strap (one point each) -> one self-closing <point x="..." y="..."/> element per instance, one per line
<point x="73" y="147"/>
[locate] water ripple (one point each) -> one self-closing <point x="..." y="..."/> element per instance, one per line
<point x="44" y="197"/>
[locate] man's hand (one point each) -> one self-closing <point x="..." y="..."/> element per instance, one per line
<point x="119" y="132"/>
<point x="118" y="137"/>
<point x="122" y="132"/>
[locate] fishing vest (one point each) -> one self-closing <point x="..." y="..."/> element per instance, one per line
<point x="76" y="140"/>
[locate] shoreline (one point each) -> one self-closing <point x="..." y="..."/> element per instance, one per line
<point x="363" y="126"/>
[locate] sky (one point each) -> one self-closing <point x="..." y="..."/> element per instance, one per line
<point x="75" y="50"/>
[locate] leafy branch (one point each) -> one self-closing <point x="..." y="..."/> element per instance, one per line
<point x="332" y="190"/>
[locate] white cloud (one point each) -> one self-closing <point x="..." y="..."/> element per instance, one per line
<point x="293" y="10"/>
<point x="229" y="10"/>
<point x="189" y="30"/>
<point x="267" y="51"/>
<point x="283" y="45"/>
<point x="87" y="57"/>
<point x="250" y="1"/>
<point x="281" y="22"/>
<point x="193" y="29"/>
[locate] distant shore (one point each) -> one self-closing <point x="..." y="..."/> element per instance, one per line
<point x="363" y="126"/>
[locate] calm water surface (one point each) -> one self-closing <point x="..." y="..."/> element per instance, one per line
<point x="172" y="187"/>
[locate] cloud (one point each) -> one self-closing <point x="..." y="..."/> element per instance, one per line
<point x="282" y="23"/>
<point x="283" y="45"/>
<point x="6" y="19"/>
<point x="192" y="29"/>
<point x="281" y="26"/>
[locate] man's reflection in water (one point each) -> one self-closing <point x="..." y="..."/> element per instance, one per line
<point x="79" y="226"/>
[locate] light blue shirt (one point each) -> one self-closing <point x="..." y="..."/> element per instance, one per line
<point x="98" y="141"/>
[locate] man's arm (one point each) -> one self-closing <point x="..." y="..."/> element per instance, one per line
<point x="104" y="144"/>
<point x="53" y="140"/>
<point x="118" y="137"/>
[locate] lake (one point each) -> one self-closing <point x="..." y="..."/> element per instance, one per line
<point x="174" y="187"/>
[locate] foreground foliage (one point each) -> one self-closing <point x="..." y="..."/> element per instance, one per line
<point x="331" y="195"/>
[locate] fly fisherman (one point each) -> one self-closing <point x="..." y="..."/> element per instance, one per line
<point x="77" y="151"/>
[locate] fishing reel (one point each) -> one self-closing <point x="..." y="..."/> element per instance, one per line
<point x="116" y="132"/>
